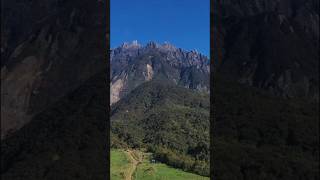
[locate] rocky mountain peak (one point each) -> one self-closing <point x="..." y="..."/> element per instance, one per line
<point x="133" y="44"/>
<point x="128" y="51"/>
<point x="152" y="45"/>
<point x="132" y="65"/>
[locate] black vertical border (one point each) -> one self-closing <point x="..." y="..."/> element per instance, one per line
<point x="215" y="57"/>
<point x="211" y="86"/>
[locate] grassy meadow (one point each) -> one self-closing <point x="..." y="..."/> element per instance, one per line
<point x="145" y="170"/>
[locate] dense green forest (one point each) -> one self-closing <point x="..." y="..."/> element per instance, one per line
<point x="170" y="121"/>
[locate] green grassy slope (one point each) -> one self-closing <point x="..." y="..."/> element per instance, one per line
<point x="119" y="164"/>
<point x="146" y="171"/>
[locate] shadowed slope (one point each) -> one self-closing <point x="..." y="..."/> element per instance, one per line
<point x="66" y="141"/>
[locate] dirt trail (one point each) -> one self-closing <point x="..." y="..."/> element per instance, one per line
<point x="135" y="161"/>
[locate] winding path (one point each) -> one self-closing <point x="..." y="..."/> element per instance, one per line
<point x="135" y="161"/>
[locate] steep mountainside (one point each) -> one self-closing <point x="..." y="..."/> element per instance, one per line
<point x="48" y="48"/>
<point x="133" y="64"/>
<point x="170" y="121"/>
<point x="273" y="45"/>
<point x="160" y="101"/>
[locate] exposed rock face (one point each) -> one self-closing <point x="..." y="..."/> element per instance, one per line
<point x="273" y="45"/>
<point x="132" y="64"/>
<point x="116" y="89"/>
<point x="149" y="74"/>
<point x="48" y="49"/>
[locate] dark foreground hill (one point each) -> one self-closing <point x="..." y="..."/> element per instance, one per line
<point x="171" y="121"/>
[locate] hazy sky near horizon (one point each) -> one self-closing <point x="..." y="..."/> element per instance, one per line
<point x="183" y="23"/>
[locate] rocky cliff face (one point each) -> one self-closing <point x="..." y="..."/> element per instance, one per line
<point x="48" y="49"/>
<point x="272" y="45"/>
<point x="132" y="64"/>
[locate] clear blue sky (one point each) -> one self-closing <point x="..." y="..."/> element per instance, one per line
<point x="184" y="23"/>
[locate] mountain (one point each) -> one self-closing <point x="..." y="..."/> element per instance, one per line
<point x="272" y="45"/>
<point x="133" y="64"/>
<point x="48" y="49"/>
<point x="160" y="102"/>
<point x="54" y="94"/>
<point x="168" y="120"/>
<point x="266" y="90"/>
